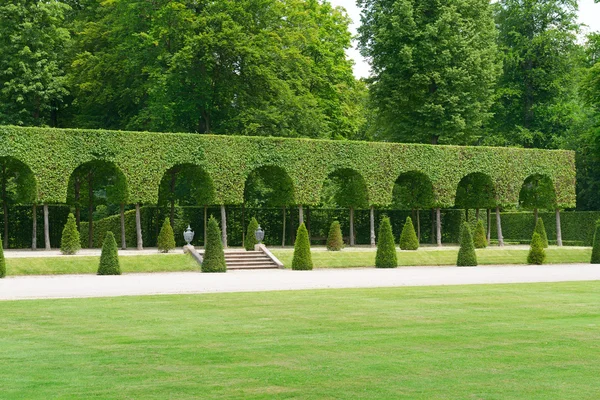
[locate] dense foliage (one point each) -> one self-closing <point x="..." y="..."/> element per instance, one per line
<point x="408" y="237"/>
<point x="214" y="256"/>
<point x="541" y="230"/>
<point x="466" y="254"/>
<point x="537" y="254"/>
<point x="109" y="259"/>
<point x="335" y="241"/>
<point x="302" y="259"/>
<point x="166" y="237"/>
<point x="386" y="256"/>
<point x="596" y="245"/>
<point x="250" y="238"/>
<point x="479" y="238"/>
<point x="70" y="241"/>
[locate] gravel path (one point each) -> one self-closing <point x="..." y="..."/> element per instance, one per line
<point x="74" y="286"/>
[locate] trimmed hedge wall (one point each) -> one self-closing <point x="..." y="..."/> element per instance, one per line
<point x="143" y="158"/>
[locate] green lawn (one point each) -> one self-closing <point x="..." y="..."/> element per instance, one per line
<point x="530" y="341"/>
<point x="321" y="259"/>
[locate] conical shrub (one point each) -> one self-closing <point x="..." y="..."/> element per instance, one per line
<point x="408" y="237"/>
<point x="596" y="245"/>
<point x="2" y="261"/>
<point x="479" y="239"/>
<point x="214" y="256"/>
<point x="335" y="242"/>
<point x="250" y="238"/>
<point x="70" y="242"/>
<point x="466" y="254"/>
<point x="386" y="246"/>
<point x="109" y="259"/>
<point x="166" y="237"/>
<point x="537" y="254"/>
<point x="302" y="260"/>
<point x="541" y="230"/>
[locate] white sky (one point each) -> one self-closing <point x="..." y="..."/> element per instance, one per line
<point x="589" y="14"/>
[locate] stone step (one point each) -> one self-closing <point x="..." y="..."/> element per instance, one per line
<point x="253" y="262"/>
<point x="247" y="258"/>
<point x="261" y="266"/>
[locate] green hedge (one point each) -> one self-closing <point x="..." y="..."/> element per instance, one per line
<point x="143" y="158"/>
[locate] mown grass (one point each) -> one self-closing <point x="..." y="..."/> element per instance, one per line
<point x="529" y="341"/>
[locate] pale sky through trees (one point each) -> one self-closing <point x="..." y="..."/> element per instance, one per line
<point x="589" y="14"/>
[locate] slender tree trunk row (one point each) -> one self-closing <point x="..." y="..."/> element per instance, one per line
<point x="224" y="226"/>
<point x="438" y="220"/>
<point x="558" y="229"/>
<point x="34" y="228"/>
<point x="351" y="226"/>
<point x="499" y="228"/>
<point x="138" y="227"/>
<point x="46" y="228"/>
<point x="372" y="225"/>
<point x="489" y="224"/>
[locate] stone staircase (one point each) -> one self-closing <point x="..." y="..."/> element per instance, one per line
<point x="242" y="259"/>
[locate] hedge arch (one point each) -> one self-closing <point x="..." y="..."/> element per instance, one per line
<point x="52" y="154"/>
<point x="412" y="190"/>
<point x="476" y="190"/>
<point x="201" y="190"/>
<point x="278" y="187"/>
<point x="537" y="192"/>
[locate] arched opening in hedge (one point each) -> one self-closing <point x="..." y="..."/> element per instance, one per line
<point x="477" y="191"/>
<point x="102" y="187"/>
<point x="184" y="185"/>
<point x="345" y="188"/>
<point x="268" y="187"/>
<point x="413" y="191"/>
<point x="17" y="186"/>
<point x="537" y="192"/>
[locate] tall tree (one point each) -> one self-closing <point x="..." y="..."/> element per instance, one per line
<point x="434" y="65"/>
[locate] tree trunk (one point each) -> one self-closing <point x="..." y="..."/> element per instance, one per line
<point x="46" y="228"/>
<point x="438" y="218"/>
<point x="224" y="226"/>
<point x="558" y="229"/>
<point x="301" y="214"/>
<point x="476" y="214"/>
<point x="308" y="222"/>
<point x="467" y="214"/>
<point x="292" y="230"/>
<point x="372" y="226"/>
<point x="418" y="225"/>
<point x="205" y="223"/>
<point x="34" y="228"/>
<point x="243" y="224"/>
<point x="499" y="227"/>
<point x="77" y="204"/>
<point x="432" y="226"/>
<point x="535" y="215"/>
<point x="90" y="210"/>
<point x="138" y="227"/>
<point x="123" y="239"/>
<point x="283" y="230"/>
<point x="351" y="226"/>
<point x="489" y="224"/>
<point x="172" y="187"/>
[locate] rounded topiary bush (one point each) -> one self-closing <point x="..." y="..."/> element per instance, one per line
<point x="250" y="238"/>
<point x="302" y="260"/>
<point x="70" y="242"/>
<point x="214" y="256"/>
<point x="466" y="254"/>
<point x="479" y="239"/>
<point x="335" y="242"/>
<point x="596" y="245"/>
<point x="541" y="230"/>
<point x="109" y="259"/>
<point x="386" y="246"/>
<point x="2" y="261"/>
<point x="166" y="237"/>
<point x="408" y="237"/>
<point x="537" y="254"/>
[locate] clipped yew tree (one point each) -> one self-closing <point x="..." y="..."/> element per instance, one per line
<point x="70" y="242"/>
<point x="109" y="259"/>
<point x="537" y="254"/>
<point x="166" y="237"/>
<point x="479" y="239"/>
<point x="2" y="262"/>
<point x="541" y="230"/>
<point x="250" y="238"/>
<point x="302" y="260"/>
<point x="386" y="246"/>
<point x="408" y="237"/>
<point x="596" y="245"/>
<point x="466" y="254"/>
<point x="214" y="256"/>
<point x="335" y="242"/>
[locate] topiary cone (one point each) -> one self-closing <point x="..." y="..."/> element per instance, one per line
<point x="537" y="254"/>
<point x="109" y="259"/>
<point x="466" y="254"/>
<point x="479" y="239"/>
<point x="214" y="256"/>
<point x="250" y="238"/>
<point x="596" y="245"/>
<point x="408" y="237"/>
<point x="70" y="242"/>
<point x="386" y="246"/>
<point x="166" y="237"/>
<point x="541" y="230"/>
<point x="335" y="242"/>
<point x="302" y="260"/>
<point x="2" y="261"/>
